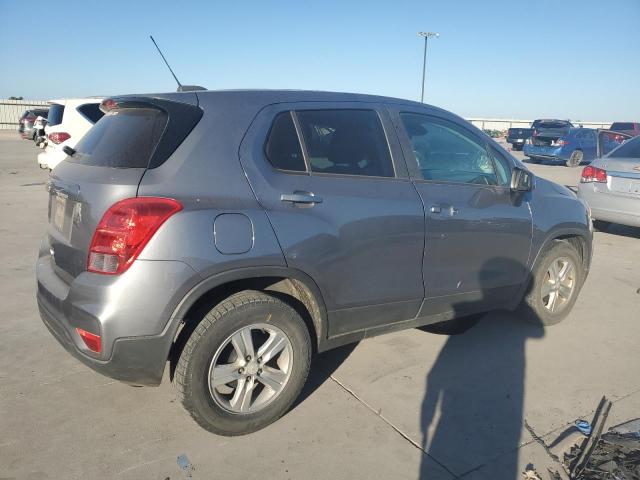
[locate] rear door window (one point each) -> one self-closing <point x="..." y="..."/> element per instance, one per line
<point x="124" y="138"/>
<point x="446" y="152"/>
<point x="91" y="111"/>
<point x="345" y="142"/>
<point x="283" y="147"/>
<point x="55" y="114"/>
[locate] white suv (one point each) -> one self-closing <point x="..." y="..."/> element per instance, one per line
<point x="69" y="119"/>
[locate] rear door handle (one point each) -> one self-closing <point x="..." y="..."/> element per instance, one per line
<point x="435" y="209"/>
<point x="298" y="196"/>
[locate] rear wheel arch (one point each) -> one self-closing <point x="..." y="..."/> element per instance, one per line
<point x="291" y="286"/>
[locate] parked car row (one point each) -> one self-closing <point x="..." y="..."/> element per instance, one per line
<point x="560" y="140"/>
<point x="59" y="127"/>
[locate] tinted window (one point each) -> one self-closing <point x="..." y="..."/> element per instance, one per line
<point x="91" y="111"/>
<point x="629" y="149"/>
<point x="122" y="139"/>
<point x="55" y="114"/>
<point x="347" y="142"/>
<point x="41" y="113"/>
<point x="283" y="148"/>
<point x="621" y="126"/>
<point x="447" y="153"/>
<point x="554" y="125"/>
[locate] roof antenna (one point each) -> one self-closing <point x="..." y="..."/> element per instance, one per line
<point x="181" y="88"/>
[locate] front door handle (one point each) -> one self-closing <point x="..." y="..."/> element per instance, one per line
<point x="298" y="196"/>
<point x="435" y="209"/>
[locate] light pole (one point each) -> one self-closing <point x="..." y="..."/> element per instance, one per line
<point x="426" y="36"/>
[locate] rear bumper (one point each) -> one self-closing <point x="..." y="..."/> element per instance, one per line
<point x="551" y="153"/>
<point x="50" y="157"/>
<point x="610" y="207"/>
<point x="137" y="361"/>
<point x="132" y="313"/>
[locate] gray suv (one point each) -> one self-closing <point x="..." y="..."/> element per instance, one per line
<point x="234" y="234"/>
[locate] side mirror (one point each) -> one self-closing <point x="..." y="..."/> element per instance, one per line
<point x="521" y="180"/>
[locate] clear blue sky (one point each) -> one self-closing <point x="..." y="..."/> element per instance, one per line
<point x="577" y="59"/>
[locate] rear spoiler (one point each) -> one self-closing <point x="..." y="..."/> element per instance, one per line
<point x="614" y="137"/>
<point x="181" y="119"/>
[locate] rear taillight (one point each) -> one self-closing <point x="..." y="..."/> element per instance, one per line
<point x="91" y="340"/>
<point x="58" y="137"/>
<point x="125" y="229"/>
<point x="534" y="133"/>
<point x="593" y="174"/>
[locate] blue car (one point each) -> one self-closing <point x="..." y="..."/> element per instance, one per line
<point x="572" y="147"/>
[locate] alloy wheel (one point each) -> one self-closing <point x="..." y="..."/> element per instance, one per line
<point x="251" y="368"/>
<point x="558" y="285"/>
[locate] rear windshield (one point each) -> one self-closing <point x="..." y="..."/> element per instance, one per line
<point x="629" y="149"/>
<point x="55" y="114"/>
<point x="91" y="111"/>
<point x="621" y="126"/>
<point x="554" y="125"/>
<point x="122" y="139"/>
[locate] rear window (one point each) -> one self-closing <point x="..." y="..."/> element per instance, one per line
<point x="55" y="114"/>
<point x="123" y="138"/>
<point x="41" y="113"/>
<point x="621" y="126"/>
<point x="91" y="111"/>
<point x="629" y="149"/>
<point x="554" y="125"/>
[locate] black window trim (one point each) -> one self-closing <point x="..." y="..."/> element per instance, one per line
<point x="415" y="176"/>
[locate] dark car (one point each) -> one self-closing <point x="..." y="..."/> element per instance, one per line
<point x="27" y="119"/>
<point x="235" y="233"/>
<point x="517" y="137"/>
<point x="630" y="128"/>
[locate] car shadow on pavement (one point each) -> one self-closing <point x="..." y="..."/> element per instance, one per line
<point x="323" y="366"/>
<point x="472" y="411"/>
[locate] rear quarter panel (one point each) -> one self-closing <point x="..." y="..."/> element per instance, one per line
<point x="205" y="175"/>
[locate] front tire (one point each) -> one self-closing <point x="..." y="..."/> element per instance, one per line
<point x="555" y="284"/>
<point x="244" y="365"/>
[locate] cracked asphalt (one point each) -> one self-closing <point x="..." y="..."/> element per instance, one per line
<point x="406" y="405"/>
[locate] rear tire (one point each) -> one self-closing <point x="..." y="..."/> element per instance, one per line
<point x="601" y="225"/>
<point x="575" y="159"/>
<point x="517" y="148"/>
<point x="261" y="386"/>
<point x="555" y="284"/>
<point x="534" y="160"/>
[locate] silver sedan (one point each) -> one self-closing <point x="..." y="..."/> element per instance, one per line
<point x="611" y="186"/>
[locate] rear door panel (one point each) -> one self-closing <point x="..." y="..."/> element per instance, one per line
<point x="362" y="244"/>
